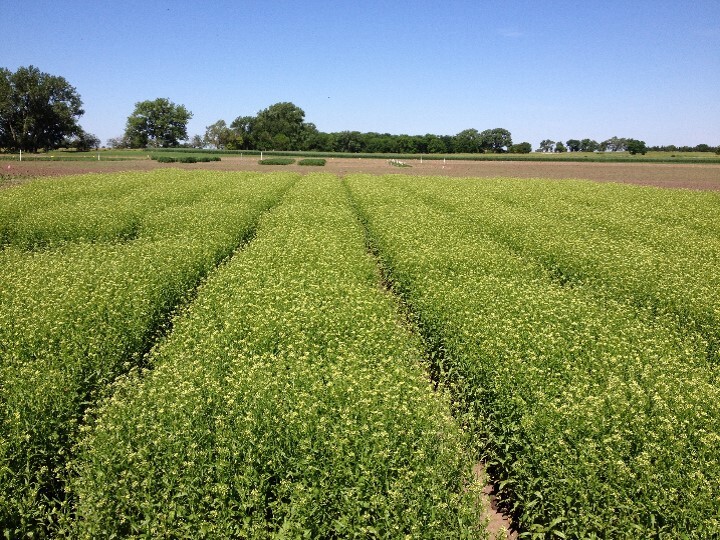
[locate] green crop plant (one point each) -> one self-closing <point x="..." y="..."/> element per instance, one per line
<point x="243" y="355"/>
<point x="596" y="413"/>
<point x="656" y="249"/>
<point x="314" y="162"/>
<point x="277" y="161"/>
<point x="289" y="401"/>
<point x="99" y="208"/>
<point x="76" y="313"/>
<point x="184" y="158"/>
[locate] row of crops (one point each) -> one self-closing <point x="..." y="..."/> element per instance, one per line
<point x="215" y="355"/>
<point x="91" y="272"/>
<point x="577" y="327"/>
<point x="288" y="400"/>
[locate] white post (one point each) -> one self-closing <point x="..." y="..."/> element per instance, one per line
<point x="260" y="155"/>
<point x="21" y="154"/>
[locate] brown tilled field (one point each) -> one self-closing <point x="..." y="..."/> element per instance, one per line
<point x="700" y="177"/>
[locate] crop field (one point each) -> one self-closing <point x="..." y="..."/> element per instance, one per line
<point x="218" y="354"/>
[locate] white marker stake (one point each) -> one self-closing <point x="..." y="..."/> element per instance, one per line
<point x="21" y="154"/>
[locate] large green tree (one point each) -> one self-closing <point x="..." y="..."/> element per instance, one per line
<point x="613" y="144"/>
<point x="157" y="123"/>
<point x="468" y="141"/>
<point x="222" y="137"/>
<point x="37" y="110"/>
<point x="496" y="140"/>
<point x="279" y="127"/>
<point x="589" y="145"/>
<point x="520" y="148"/>
<point x="635" y="146"/>
<point x="242" y="127"/>
<point x="546" y="145"/>
<point x="573" y="145"/>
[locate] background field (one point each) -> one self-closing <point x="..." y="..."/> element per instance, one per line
<point x="673" y="175"/>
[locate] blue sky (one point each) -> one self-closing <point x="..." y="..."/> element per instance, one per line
<point x="648" y="70"/>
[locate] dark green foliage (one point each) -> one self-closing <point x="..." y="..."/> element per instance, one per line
<point x="279" y="127"/>
<point x="546" y="145"/>
<point x="317" y="162"/>
<point x="277" y="161"/>
<point x="37" y="110"/>
<point x="82" y="141"/>
<point x="468" y="141"/>
<point x="589" y="145"/>
<point x="521" y="148"/>
<point x="636" y="147"/>
<point x="158" y="123"/>
<point x="496" y="140"/>
<point x="573" y="145"/>
<point x="184" y="158"/>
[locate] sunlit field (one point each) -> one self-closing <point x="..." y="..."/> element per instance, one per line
<point x="218" y="354"/>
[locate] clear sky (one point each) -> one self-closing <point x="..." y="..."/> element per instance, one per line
<point x="644" y="69"/>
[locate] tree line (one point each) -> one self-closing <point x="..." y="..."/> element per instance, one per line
<point x="613" y="144"/>
<point x="282" y="127"/>
<point x="41" y="111"/>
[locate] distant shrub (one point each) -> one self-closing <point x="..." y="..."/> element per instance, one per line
<point x="184" y="159"/>
<point x="318" y="162"/>
<point x="520" y="148"/>
<point x="277" y="161"/>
